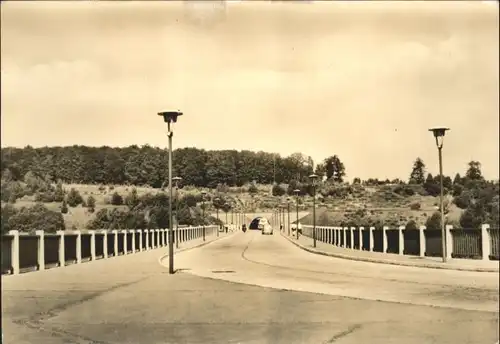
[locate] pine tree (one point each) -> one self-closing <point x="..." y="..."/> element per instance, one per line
<point x="417" y="175"/>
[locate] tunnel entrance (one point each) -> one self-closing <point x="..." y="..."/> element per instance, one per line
<point x="255" y="223"/>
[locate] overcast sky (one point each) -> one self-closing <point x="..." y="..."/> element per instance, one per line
<point x="363" y="81"/>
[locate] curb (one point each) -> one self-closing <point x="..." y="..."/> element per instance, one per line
<point x="160" y="259"/>
<point x="386" y="261"/>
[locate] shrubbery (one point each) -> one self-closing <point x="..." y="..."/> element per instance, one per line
<point x="29" y="219"/>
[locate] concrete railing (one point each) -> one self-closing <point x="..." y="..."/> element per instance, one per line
<point x="22" y="252"/>
<point x="460" y="243"/>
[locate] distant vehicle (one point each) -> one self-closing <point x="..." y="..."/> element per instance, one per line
<point x="265" y="227"/>
<point x="244" y="227"/>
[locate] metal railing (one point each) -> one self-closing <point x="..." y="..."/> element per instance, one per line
<point x="476" y="243"/>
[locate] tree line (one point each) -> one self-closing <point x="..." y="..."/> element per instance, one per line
<point x="148" y="165"/>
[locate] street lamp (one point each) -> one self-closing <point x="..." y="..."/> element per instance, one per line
<point x="176" y="181"/>
<point x="283" y="207"/>
<point x="288" y="211"/>
<point x="313" y="177"/>
<point x="203" y="193"/>
<point x="226" y="205"/>
<point x="297" y="192"/>
<point x="278" y="216"/>
<point x="439" y="133"/>
<point x="170" y="117"/>
<point x="217" y="199"/>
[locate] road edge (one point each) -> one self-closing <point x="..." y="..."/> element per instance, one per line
<point x="387" y="261"/>
<point x="161" y="258"/>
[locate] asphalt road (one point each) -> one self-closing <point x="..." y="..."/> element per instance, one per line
<point x="133" y="299"/>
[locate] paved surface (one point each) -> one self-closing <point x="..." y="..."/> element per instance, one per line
<point x="395" y="259"/>
<point x="133" y="299"/>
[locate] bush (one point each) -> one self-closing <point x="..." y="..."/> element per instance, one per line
<point x="59" y="193"/>
<point x="91" y="204"/>
<point x="116" y="199"/>
<point x="7" y="212"/>
<point x="434" y="222"/>
<point x="411" y="225"/>
<point x="415" y="206"/>
<point x="37" y="217"/>
<point x="132" y="199"/>
<point x="404" y="190"/>
<point x="74" y="198"/>
<point x="252" y="189"/>
<point x="278" y="190"/>
<point x="64" y="207"/>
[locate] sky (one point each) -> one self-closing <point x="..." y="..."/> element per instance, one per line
<point x="363" y="80"/>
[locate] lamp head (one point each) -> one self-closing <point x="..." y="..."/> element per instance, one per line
<point x="313" y="176"/>
<point x="170" y="116"/>
<point x="296" y="191"/>
<point x="177" y="179"/>
<point x="439" y="133"/>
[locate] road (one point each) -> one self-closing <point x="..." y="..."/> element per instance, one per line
<point x="249" y="288"/>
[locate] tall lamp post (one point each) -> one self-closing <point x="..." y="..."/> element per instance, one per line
<point x="203" y="193"/>
<point x="226" y="205"/>
<point x="170" y="117"/>
<point x="288" y="211"/>
<point x="313" y="177"/>
<point x="176" y="181"/>
<point x="439" y="133"/>
<point x="217" y="199"/>
<point x="283" y="208"/>
<point x="278" y="215"/>
<point x="297" y="192"/>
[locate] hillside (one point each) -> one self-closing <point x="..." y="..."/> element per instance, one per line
<point x="109" y="177"/>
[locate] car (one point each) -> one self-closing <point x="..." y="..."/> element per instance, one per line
<point x="265" y="227"/>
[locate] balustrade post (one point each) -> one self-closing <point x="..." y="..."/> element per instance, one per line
<point x="62" y="258"/>
<point x="401" y="237"/>
<point x="147" y="239"/>
<point x="138" y="233"/>
<point x="124" y="231"/>
<point x="41" y="249"/>
<point x="449" y="241"/>
<point x="485" y="242"/>
<point x="384" y="239"/>
<point x="14" y="252"/>
<point x="78" y="246"/>
<point x="104" y="244"/>
<point x="360" y="238"/>
<point x="351" y="234"/>
<point x="337" y="236"/>
<point x="115" y="242"/>
<point x="344" y="233"/>
<point x="92" y="245"/>
<point x="133" y="239"/>
<point x="372" y="239"/>
<point x="157" y="232"/>
<point x="421" y="240"/>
